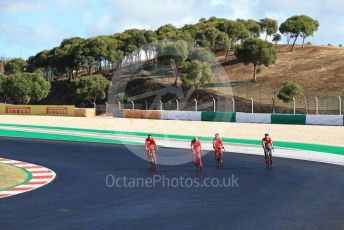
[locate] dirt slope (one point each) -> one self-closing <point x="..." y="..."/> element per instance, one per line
<point x="319" y="69"/>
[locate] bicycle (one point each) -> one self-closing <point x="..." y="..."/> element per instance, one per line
<point x="152" y="162"/>
<point x="219" y="157"/>
<point x="198" y="163"/>
<point x="268" y="156"/>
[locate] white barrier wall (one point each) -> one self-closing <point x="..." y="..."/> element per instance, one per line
<point x="181" y="115"/>
<point x="262" y="118"/>
<point x="258" y="118"/>
<point x="324" y="120"/>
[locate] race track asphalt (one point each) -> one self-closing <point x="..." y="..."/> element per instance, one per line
<point x="294" y="195"/>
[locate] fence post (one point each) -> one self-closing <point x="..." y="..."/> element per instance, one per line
<point x="251" y="105"/>
<point x="106" y="107"/>
<point x="132" y="105"/>
<point x="119" y="104"/>
<point x="273" y="105"/>
<point x="195" y="104"/>
<point x="160" y="105"/>
<point x="214" y="103"/>
<point x="146" y="104"/>
<point x="340" y="105"/>
<point x="316" y="106"/>
<point x="177" y="104"/>
<point x="294" y="105"/>
<point x="247" y="90"/>
<point x="233" y="101"/>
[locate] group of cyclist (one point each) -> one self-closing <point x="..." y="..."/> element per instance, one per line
<point x="196" y="148"/>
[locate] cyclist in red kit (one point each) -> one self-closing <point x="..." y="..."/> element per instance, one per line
<point x="150" y="146"/>
<point x="268" y="147"/>
<point x="218" y="146"/>
<point x="196" y="152"/>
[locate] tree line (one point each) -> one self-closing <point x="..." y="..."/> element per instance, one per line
<point x="75" y="56"/>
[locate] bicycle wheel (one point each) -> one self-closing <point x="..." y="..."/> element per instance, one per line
<point x="152" y="163"/>
<point x="270" y="160"/>
<point x="221" y="162"/>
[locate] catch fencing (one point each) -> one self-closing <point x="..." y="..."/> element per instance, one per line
<point x="263" y="118"/>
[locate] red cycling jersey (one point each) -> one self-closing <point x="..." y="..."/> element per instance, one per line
<point x="196" y="145"/>
<point x="150" y="143"/>
<point x="217" y="143"/>
<point x="267" y="141"/>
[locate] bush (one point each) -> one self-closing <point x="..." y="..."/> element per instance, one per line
<point x="91" y="88"/>
<point x="289" y="91"/>
<point x="257" y="52"/>
<point x="122" y="97"/>
<point x="24" y="88"/>
<point x="196" y="73"/>
<point x="202" y="55"/>
<point x="15" y="65"/>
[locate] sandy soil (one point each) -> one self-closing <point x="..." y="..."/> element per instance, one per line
<point x="328" y="135"/>
<point x="10" y="176"/>
<point x="315" y="68"/>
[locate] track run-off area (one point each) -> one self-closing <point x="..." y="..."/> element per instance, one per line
<point x="106" y="186"/>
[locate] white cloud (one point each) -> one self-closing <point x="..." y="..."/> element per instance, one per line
<point x="153" y="12"/>
<point x="64" y="3"/>
<point x="243" y="9"/>
<point x="96" y="26"/>
<point x="111" y="16"/>
<point x="144" y="14"/>
<point x="288" y="8"/>
<point x="43" y="34"/>
<point x="150" y="14"/>
<point x="336" y="6"/>
<point x="180" y="11"/>
<point x="217" y="2"/>
<point x="152" y="9"/>
<point x="17" y="6"/>
<point x="294" y="5"/>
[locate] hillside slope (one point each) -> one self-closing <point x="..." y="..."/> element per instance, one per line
<point x="318" y="69"/>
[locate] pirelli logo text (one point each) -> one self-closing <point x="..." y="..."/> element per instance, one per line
<point x="18" y="109"/>
<point x="57" y="110"/>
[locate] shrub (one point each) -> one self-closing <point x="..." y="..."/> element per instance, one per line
<point x="289" y="90"/>
<point x="122" y="97"/>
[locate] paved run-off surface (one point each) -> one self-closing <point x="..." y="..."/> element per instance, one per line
<point x="325" y="135"/>
<point x="294" y="195"/>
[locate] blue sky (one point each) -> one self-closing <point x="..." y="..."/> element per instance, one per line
<point x="29" y="26"/>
